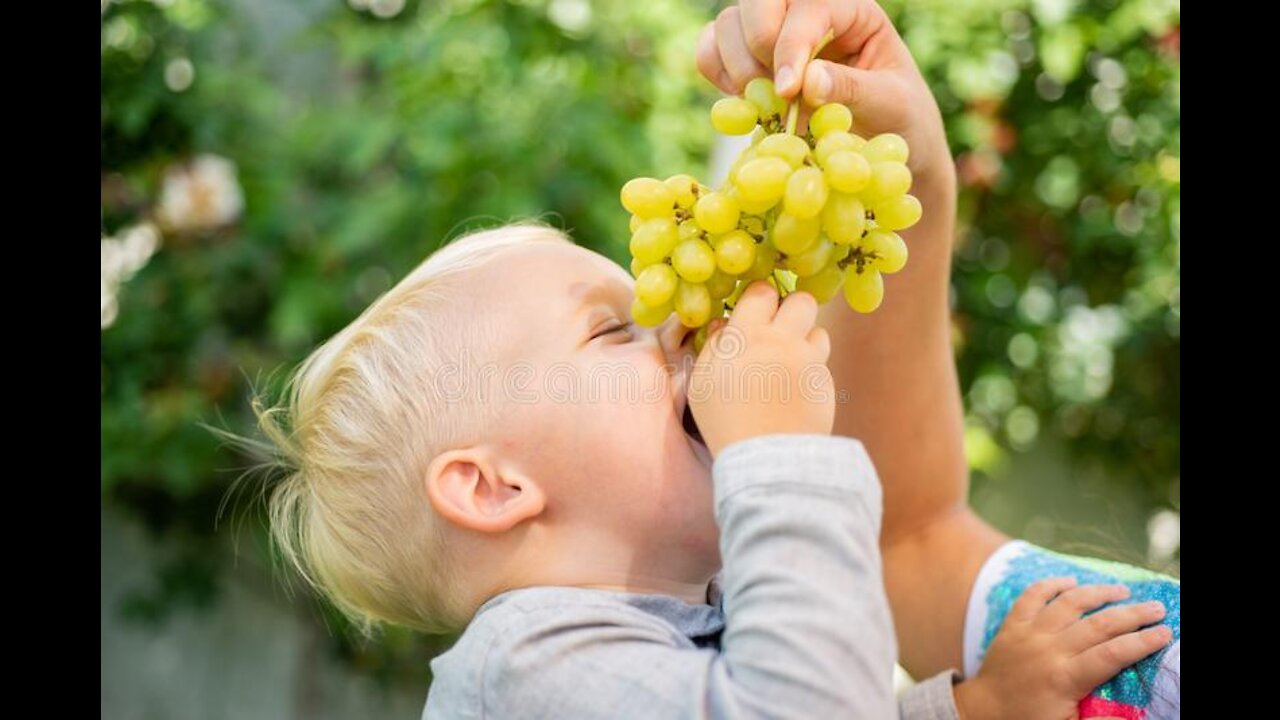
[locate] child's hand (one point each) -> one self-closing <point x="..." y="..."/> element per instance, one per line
<point x="1046" y="657"/>
<point x="764" y="372"/>
<point x="866" y="66"/>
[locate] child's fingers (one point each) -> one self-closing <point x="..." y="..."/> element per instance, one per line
<point x="714" y="326"/>
<point x="1070" y="605"/>
<point x="761" y="23"/>
<point x="712" y="343"/>
<point x="709" y="62"/>
<point x="738" y="61"/>
<point x="1100" y="663"/>
<point x="713" y="329"/>
<point x="802" y="30"/>
<point x="1034" y="598"/>
<point x="820" y="339"/>
<point x="758" y="305"/>
<point x="1109" y="623"/>
<point x="797" y="313"/>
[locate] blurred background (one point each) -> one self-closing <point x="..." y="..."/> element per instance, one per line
<point x="269" y="167"/>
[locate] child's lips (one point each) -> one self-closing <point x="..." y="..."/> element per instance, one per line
<point x="691" y="426"/>
<point x="687" y="421"/>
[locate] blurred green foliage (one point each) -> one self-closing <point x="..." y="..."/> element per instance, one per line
<point x="365" y="135"/>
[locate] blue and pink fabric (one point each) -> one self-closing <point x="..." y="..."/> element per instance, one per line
<point x="1149" y="690"/>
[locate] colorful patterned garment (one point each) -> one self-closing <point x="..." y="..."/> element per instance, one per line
<point x="1149" y="690"/>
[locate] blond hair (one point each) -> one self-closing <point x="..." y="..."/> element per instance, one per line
<point x="360" y="425"/>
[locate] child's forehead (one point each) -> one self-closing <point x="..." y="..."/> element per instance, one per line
<point x="554" y="266"/>
<point x="539" y="294"/>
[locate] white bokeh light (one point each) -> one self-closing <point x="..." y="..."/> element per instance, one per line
<point x="202" y="195"/>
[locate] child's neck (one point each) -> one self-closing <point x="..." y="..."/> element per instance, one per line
<point x="689" y="586"/>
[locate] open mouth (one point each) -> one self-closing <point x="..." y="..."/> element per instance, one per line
<point x="691" y="426"/>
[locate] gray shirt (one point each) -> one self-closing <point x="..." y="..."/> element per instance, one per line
<point x="797" y="625"/>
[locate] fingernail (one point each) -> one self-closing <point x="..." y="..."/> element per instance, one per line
<point x="822" y="80"/>
<point x="1156" y="607"/>
<point x="782" y="82"/>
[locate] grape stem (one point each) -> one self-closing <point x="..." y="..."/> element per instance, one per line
<point x="793" y="109"/>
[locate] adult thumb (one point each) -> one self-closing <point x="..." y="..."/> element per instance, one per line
<point x="865" y="92"/>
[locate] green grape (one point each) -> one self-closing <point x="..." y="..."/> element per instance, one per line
<point x="844" y="218"/>
<point x="806" y="193"/>
<point x="694" y="260"/>
<point x="813" y="260"/>
<point x="693" y="304"/>
<point x="745" y="157"/>
<point x="735" y="252"/>
<point x="635" y="222"/>
<point x="734" y="116"/>
<point x="898" y="213"/>
<point x="824" y="284"/>
<point x="637" y="265"/>
<point x="889" y="249"/>
<point x="649" y="198"/>
<point x="689" y="229"/>
<point x="863" y="290"/>
<point x="793" y="235"/>
<point x="685" y="189"/>
<point x="761" y="93"/>
<point x="654" y="240"/>
<point x="766" y="261"/>
<point x="752" y="207"/>
<point x="788" y="147"/>
<point x="832" y="117"/>
<point x="834" y="142"/>
<point x="700" y="339"/>
<point x="721" y="284"/>
<point x="886" y="148"/>
<point x="646" y="316"/>
<point x="752" y="224"/>
<point x="656" y="284"/>
<point x="736" y="295"/>
<point x="763" y="179"/>
<point x="888" y="179"/>
<point x="848" y="171"/>
<point x="717" y="213"/>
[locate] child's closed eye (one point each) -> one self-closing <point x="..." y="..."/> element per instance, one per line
<point x="614" y="326"/>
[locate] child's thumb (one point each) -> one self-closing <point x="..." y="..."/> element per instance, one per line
<point x="865" y="92"/>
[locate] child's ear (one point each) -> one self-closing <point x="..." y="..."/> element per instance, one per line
<point x="469" y="490"/>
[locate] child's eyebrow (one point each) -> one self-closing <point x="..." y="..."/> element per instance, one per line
<point x="589" y="295"/>
<point x="597" y="301"/>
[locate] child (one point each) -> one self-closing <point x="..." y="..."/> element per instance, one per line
<point x="951" y="577"/>
<point x="523" y="468"/>
<point x="493" y="444"/>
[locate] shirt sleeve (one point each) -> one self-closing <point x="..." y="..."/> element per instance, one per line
<point x="932" y="699"/>
<point x="807" y="626"/>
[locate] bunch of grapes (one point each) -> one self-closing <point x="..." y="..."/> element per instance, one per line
<point x="816" y="213"/>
